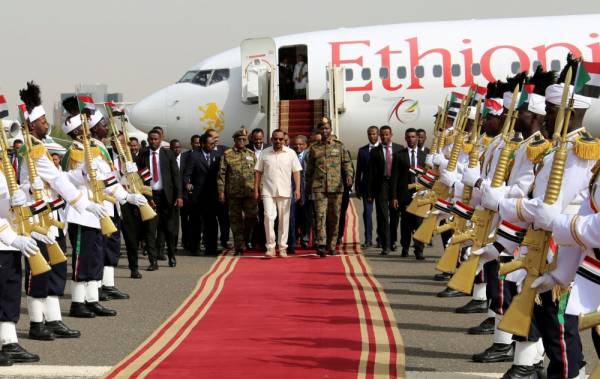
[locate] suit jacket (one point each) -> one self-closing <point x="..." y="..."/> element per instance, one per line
<point x="402" y="177"/>
<point x="376" y="172"/>
<point x="425" y="150"/>
<point x="183" y="160"/>
<point x="220" y="150"/>
<point x="362" y="169"/>
<point x="202" y="174"/>
<point x="171" y="178"/>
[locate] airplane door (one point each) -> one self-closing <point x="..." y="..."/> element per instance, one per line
<point x="336" y="91"/>
<point x="259" y="56"/>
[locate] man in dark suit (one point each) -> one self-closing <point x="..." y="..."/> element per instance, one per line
<point x="360" y="186"/>
<point x="421" y="139"/>
<point x="257" y="145"/>
<point x="379" y="188"/>
<point x="409" y="158"/>
<point x="200" y="178"/>
<point x="166" y="199"/>
<point x="222" y="208"/>
<point x="185" y="212"/>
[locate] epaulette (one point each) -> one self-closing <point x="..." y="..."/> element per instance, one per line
<point x="467" y="147"/>
<point x="37" y="151"/>
<point x="449" y="140"/>
<point x="76" y="153"/>
<point x="486" y="140"/>
<point x="587" y="148"/>
<point x="537" y="150"/>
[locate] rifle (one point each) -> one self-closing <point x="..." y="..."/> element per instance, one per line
<point x="517" y="319"/>
<point x="482" y="218"/>
<point x="107" y="227"/>
<point x="447" y="262"/>
<point x="45" y="219"/>
<point x="133" y="178"/>
<point x="23" y="215"/>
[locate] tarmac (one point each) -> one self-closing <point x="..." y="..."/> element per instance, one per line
<point x="435" y="339"/>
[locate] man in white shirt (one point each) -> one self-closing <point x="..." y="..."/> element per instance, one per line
<point x="272" y="182"/>
<point x="300" y="77"/>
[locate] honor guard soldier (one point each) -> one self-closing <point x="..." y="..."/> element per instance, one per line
<point x="326" y="163"/>
<point x="43" y="291"/>
<point x="235" y="183"/>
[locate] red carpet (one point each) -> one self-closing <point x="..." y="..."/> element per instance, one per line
<point x="300" y="317"/>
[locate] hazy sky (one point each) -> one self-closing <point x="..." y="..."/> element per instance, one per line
<point x="138" y="46"/>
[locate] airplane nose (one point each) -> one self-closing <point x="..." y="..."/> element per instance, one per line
<point x="149" y="112"/>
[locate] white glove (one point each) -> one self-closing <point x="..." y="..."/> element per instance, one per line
<point x="97" y="210"/>
<point x="136" y="199"/>
<point x="438" y="159"/>
<point x="18" y="198"/>
<point x="491" y="197"/>
<point x="486" y="254"/>
<point x="37" y="184"/>
<point x="544" y="214"/>
<point x="450" y="177"/>
<point x="429" y="160"/>
<point x="27" y="246"/>
<point x="470" y="176"/>
<point x="43" y="238"/>
<point x="131" y="167"/>
<point x="544" y="283"/>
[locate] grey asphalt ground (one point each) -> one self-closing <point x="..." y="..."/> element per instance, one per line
<point x="436" y="343"/>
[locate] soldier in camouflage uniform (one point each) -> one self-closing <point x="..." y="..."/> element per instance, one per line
<point x="324" y="167"/>
<point x="236" y="183"/>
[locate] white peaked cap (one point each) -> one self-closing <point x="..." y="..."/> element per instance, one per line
<point x="36" y="113"/>
<point x="507" y="99"/>
<point x="71" y="124"/>
<point x="95" y="119"/>
<point x="554" y="96"/>
<point x="536" y="104"/>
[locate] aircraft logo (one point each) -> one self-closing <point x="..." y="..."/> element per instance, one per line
<point x="212" y="117"/>
<point x="405" y="111"/>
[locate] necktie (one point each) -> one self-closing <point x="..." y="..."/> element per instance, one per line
<point x="412" y="158"/>
<point x="154" y="167"/>
<point x="14" y="164"/>
<point x="388" y="161"/>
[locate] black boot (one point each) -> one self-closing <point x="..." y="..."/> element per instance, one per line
<point x="540" y="370"/>
<point x="39" y="332"/>
<point x="5" y="360"/>
<point x="114" y="293"/>
<point x="498" y="352"/>
<point x="81" y="311"/>
<point x="60" y="330"/>
<point x="486" y="327"/>
<point x="17" y="354"/>
<point x="442" y="276"/>
<point x="100" y="310"/>
<point x="520" y="372"/>
<point x="449" y="292"/>
<point x="473" y="306"/>
<point x="321" y="251"/>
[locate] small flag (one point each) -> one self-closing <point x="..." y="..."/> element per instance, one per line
<point x="113" y="109"/>
<point x="145" y="175"/>
<point x="417" y="170"/>
<point x="38" y="207"/>
<point x="426" y="181"/>
<point x="86" y="102"/>
<point x="110" y="182"/>
<point x="58" y="203"/>
<point x="493" y="107"/>
<point x="511" y="232"/>
<point x="479" y="93"/>
<point x="23" y="114"/>
<point x="525" y="93"/>
<point x="587" y="82"/>
<point x="463" y="210"/>
<point x="456" y="100"/>
<point x="590" y="269"/>
<point x="3" y="107"/>
<point x="443" y="205"/>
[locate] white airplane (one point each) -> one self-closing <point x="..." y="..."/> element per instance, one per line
<point x="393" y="74"/>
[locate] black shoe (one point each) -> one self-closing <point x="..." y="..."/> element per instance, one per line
<point x="135" y="274"/>
<point x="473" y="306"/>
<point x="291" y="251"/>
<point x="60" y="330"/>
<point x="486" y="327"/>
<point x="321" y="251"/>
<point x="5" y="360"/>
<point x="238" y="252"/>
<point x="384" y="252"/>
<point x="419" y="255"/>
<point x="17" y="354"/>
<point x="520" y="372"/>
<point x="332" y="252"/>
<point x="162" y="258"/>
<point x="404" y="253"/>
<point x="304" y="244"/>
<point x="114" y="293"/>
<point x="100" y="310"/>
<point x="225" y="245"/>
<point x="39" y="332"/>
<point x="498" y="352"/>
<point x="449" y="292"/>
<point x="442" y="277"/>
<point x="172" y="262"/>
<point x="81" y="311"/>
<point x="540" y="370"/>
<point x="153" y="267"/>
<point x="102" y="296"/>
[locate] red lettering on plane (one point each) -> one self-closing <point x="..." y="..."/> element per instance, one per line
<point x="337" y="61"/>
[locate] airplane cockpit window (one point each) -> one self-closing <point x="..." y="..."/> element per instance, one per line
<point x="219" y="75"/>
<point x="197" y="77"/>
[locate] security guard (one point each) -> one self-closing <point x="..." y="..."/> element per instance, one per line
<point x="235" y="183"/>
<point x="324" y="168"/>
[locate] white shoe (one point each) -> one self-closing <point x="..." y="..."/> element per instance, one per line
<point x="283" y="253"/>
<point x="270" y="253"/>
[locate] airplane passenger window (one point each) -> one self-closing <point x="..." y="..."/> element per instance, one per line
<point x="515" y="67"/>
<point x="365" y="73"/>
<point x="555" y="65"/>
<point x="476" y="69"/>
<point x="535" y="65"/>
<point x="401" y="72"/>
<point x="455" y="70"/>
<point x="420" y="71"/>
<point x="437" y="71"/>
<point x="383" y="73"/>
<point x="219" y="76"/>
<point x="349" y="74"/>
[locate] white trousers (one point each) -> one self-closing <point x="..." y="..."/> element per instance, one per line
<point x="275" y="206"/>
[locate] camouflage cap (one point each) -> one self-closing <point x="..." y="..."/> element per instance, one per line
<point x="240" y="133"/>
